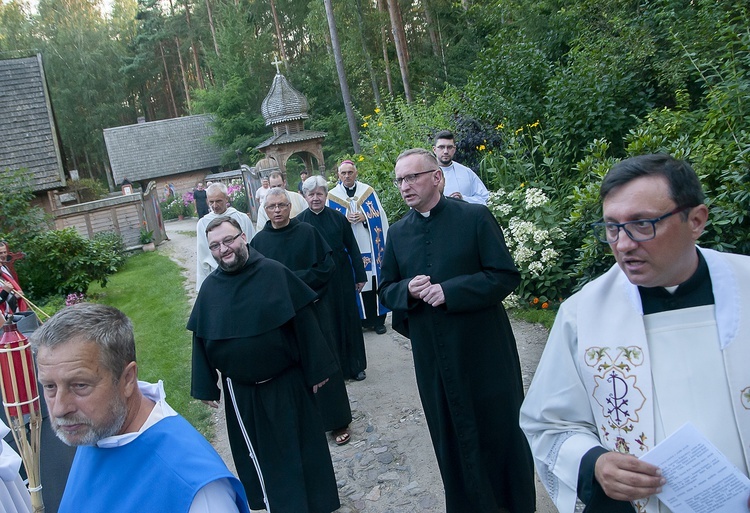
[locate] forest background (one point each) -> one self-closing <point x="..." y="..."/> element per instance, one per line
<point x="544" y="96"/>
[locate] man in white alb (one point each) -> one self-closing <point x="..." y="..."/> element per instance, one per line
<point x="460" y="181"/>
<point x="661" y="339"/>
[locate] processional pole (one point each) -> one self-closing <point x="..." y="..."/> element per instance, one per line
<point x="21" y="401"/>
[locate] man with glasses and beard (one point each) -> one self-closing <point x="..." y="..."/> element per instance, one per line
<point x="254" y="323"/>
<point x="134" y="451"/>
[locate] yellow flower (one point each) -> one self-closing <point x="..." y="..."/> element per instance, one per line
<point x="367" y="117"/>
<point x="377" y="111"/>
<point x="380" y="124"/>
<point x="361" y="158"/>
<point x="482" y="147"/>
<point x="519" y="130"/>
<point x="534" y="124"/>
<point x="522" y="185"/>
<point x="499" y="127"/>
<point x="365" y="124"/>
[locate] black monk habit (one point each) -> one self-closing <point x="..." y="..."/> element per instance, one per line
<point x="301" y="248"/>
<point x="347" y="328"/>
<point x="465" y="357"/>
<point x="258" y="328"/>
<point x="201" y="202"/>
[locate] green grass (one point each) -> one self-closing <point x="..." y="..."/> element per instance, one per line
<point x="150" y="290"/>
<point x="544" y="317"/>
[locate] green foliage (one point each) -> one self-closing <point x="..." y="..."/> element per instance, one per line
<point x="509" y="82"/>
<point x="532" y="234"/>
<point x="60" y="262"/>
<point x="545" y="317"/>
<point x="173" y="208"/>
<point x="87" y="189"/>
<point x="146" y="236"/>
<point x="237" y="196"/>
<point x="19" y="221"/>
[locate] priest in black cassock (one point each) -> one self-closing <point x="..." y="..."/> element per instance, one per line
<point x="445" y="273"/>
<point x="348" y="280"/>
<point x="255" y="323"/>
<point x="301" y="248"/>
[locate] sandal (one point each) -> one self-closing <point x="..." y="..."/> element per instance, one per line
<point x="341" y="436"/>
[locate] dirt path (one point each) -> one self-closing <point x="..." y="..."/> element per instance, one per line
<point x="389" y="466"/>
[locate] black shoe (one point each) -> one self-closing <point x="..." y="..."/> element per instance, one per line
<point x="361" y="376"/>
<point x="380" y="330"/>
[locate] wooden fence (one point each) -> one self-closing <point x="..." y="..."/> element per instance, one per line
<point x="125" y="215"/>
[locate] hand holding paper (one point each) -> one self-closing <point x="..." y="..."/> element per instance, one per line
<point x="700" y="479"/>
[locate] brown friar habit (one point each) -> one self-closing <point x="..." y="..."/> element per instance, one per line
<point x="465" y="356"/>
<point x="347" y="328"/>
<point x="257" y="326"/>
<point x="301" y="248"/>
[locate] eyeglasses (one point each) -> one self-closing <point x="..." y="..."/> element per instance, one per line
<point x="443" y="147"/>
<point x="410" y="179"/>
<point x="277" y="206"/>
<point x="227" y="241"/>
<point x="641" y="230"/>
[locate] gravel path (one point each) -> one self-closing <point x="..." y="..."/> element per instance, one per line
<point x="389" y="466"/>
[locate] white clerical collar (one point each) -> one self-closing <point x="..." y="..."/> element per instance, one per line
<point x="161" y="410"/>
<point x="423" y="214"/>
<point x="318" y="212"/>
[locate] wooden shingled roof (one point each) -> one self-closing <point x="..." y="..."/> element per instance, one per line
<point x="27" y="132"/>
<point x="161" y="148"/>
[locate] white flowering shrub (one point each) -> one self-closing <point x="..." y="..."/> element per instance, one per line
<point x="530" y="224"/>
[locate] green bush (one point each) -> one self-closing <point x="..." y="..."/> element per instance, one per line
<point x="60" y="262"/>
<point x="530" y="222"/>
<point x="174" y="208"/>
<point x="19" y="221"/>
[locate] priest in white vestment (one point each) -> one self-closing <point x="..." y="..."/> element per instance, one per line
<point x="661" y="339"/>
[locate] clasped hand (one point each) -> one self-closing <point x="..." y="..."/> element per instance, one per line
<point x="420" y="287"/>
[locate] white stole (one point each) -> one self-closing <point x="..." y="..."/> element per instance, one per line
<point x="615" y="357"/>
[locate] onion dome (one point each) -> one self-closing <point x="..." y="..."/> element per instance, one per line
<point x="283" y="103"/>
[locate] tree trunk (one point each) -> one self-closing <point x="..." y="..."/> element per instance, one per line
<point x="184" y="75"/>
<point x="213" y="29"/>
<point x="368" y="60"/>
<point x="282" y="51"/>
<point x="384" y="42"/>
<point x="430" y="29"/>
<point x="168" y="81"/>
<point x="198" y="73"/>
<point x="400" y="42"/>
<point x="342" y="76"/>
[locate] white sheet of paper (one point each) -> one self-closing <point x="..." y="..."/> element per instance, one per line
<point x="700" y="479"/>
